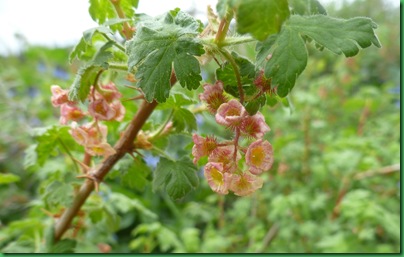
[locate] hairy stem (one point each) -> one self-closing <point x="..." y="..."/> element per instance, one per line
<point x="236" y="70"/>
<point x="223" y="28"/>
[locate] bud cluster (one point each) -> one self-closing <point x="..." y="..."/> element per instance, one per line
<point x="223" y="170"/>
<point x="104" y="105"/>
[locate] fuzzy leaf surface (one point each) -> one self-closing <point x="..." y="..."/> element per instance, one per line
<point x="178" y="178"/>
<point x="160" y="45"/>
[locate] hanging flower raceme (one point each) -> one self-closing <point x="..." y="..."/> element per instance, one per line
<point x="224" y="170"/>
<point x="104" y="105"/>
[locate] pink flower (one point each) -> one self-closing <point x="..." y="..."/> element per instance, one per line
<point x="119" y="110"/>
<point x="103" y="149"/>
<point x="110" y="92"/>
<point x="231" y="114"/>
<point x="59" y="96"/>
<point x="217" y="179"/>
<point x="245" y="184"/>
<point x="213" y="96"/>
<point x="101" y="110"/>
<point x="89" y="134"/>
<point x="202" y="146"/>
<point x="69" y="111"/>
<point x="259" y="156"/>
<point x="254" y="126"/>
<point x="225" y="156"/>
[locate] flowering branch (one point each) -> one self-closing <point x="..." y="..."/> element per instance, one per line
<point x="123" y="146"/>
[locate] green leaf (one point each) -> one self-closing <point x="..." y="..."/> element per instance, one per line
<point x="307" y="7"/>
<point x="253" y="106"/>
<point x="134" y="173"/>
<point x="58" y="193"/>
<point x="227" y="76"/>
<point x="184" y="119"/>
<point x="86" y="75"/>
<point x="8" y="178"/>
<point x="64" y="246"/>
<point x="289" y="53"/>
<point x="161" y="45"/>
<point x="48" y="139"/>
<point x="288" y="60"/>
<point x="261" y="18"/>
<point x="178" y="178"/>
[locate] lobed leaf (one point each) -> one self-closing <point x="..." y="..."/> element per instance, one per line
<point x="178" y="178"/>
<point x="289" y="53"/>
<point x="161" y="45"/>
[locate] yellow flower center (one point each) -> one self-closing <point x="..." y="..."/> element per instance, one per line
<point x="257" y="156"/>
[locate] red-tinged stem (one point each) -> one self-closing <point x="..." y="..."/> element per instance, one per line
<point x="127" y="29"/>
<point x="236" y="138"/>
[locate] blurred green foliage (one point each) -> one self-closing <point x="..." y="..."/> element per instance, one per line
<point x="334" y="186"/>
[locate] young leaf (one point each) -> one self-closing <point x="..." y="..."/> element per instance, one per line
<point x="178" y="178"/>
<point x="48" y="140"/>
<point x="289" y="53"/>
<point x="86" y="75"/>
<point x="183" y="119"/>
<point x="159" y="46"/>
<point x="260" y="18"/>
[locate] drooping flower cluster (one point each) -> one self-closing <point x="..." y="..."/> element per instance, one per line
<point x="224" y="170"/>
<point x="104" y="105"/>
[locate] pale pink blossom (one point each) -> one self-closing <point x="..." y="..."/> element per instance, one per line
<point x="101" y="110"/>
<point x="259" y="156"/>
<point x="59" y="96"/>
<point x="218" y="180"/>
<point x="110" y="92"/>
<point x="103" y="149"/>
<point x="69" y="111"/>
<point x="254" y="126"/>
<point x="119" y="109"/>
<point x="213" y="96"/>
<point x="225" y="155"/>
<point x="202" y="146"/>
<point x="89" y="134"/>
<point x="245" y="184"/>
<point x="231" y="114"/>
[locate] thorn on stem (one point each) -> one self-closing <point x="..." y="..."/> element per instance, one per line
<point x="93" y="178"/>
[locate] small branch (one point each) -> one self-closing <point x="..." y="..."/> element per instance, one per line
<point x="382" y="171"/>
<point x="119" y="46"/>
<point x="127" y="29"/>
<point x="270" y="235"/>
<point x="162" y="127"/>
<point x="118" y="66"/>
<point x="236" y="70"/>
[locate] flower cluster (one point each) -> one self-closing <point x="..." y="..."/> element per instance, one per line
<point x="104" y="105"/>
<point x="224" y="170"/>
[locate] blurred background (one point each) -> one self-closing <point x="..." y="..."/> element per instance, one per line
<point x="334" y="186"/>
